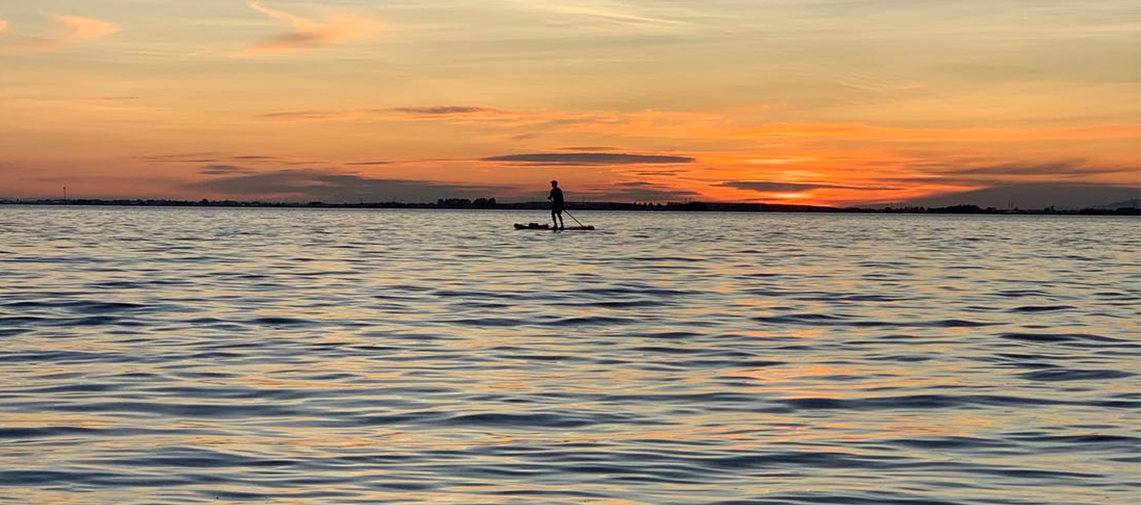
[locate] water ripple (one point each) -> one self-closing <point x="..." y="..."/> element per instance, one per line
<point x="315" y="356"/>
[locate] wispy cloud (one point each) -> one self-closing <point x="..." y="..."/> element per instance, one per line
<point x="329" y="186"/>
<point x="441" y="110"/>
<point x="222" y="169"/>
<point x="1034" y="196"/>
<point x="79" y="29"/>
<point x="574" y="159"/>
<point x="793" y="187"/>
<point x="755" y="158"/>
<point x="616" y="12"/>
<point x="640" y="191"/>
<point x="980" y="175"/>
<point x="434" y="112"/>
<point x="370" y="163"/>
<point x="341" y="27"/>
<point x="200" y="157"/>
<point x="586" y="148"/>
<point x="582" y="121"/>
<point x="218" y="161"/>
<point x="711" y="125"/>
<point x="1053" y="170"/>
<point x="71" y="30"/>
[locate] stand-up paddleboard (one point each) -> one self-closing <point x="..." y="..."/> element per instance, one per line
<point x="537" y="226"/>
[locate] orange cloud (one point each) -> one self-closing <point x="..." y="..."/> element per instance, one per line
<point x="698" y="125"/>
<point x="754" y="159"/>
<point x="72" y="30"/>
<point x="340" y="28"/>
<point x="648" y="123"/>
<point x="78" y="29"/>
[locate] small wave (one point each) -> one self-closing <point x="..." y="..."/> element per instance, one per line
<point x="640" y="291"/>
<point x="849" y="498"/>
<point x="281" y="321"/>
<point x="777" y="459"/>
<point x="488" y="322"/>
<point x="540" y="420"/>
<point x="49" y="431"/>
<point x="951" y="443"/>
<point x="846" y="320"/>
<point x="913" y="402"/>
<point x="591" y="320"/>
<point x="192" y="410"/>
<point x="1069" y="374"/>
<point x="1041" y="308"/>
<point x="1019" y="293"/>
<point x="1060" y="337"/>
<point x="69" y="357"/>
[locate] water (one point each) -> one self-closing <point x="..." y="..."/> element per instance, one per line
<point x="345" y="356"/>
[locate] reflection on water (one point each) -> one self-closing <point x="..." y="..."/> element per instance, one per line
<point x="342" y="356"/>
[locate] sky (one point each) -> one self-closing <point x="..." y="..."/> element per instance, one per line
<point x="852" y="102"/>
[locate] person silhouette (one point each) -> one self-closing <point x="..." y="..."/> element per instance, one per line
<point x="556" y="198"/>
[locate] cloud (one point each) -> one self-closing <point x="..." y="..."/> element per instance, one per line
<point x="336" y="187"/>
<point x="1034" y="196"/>
<point x="183" y="158"/>
<point x="299" y="115"/>
<point x="1053" y="169"/>
<point x="377" y="162"/>
<point x="976" y="175"/>
<point x="306" y="34"/>
<point x="223" y="170"/>
<point x="463" y="114"/>
<point x="441" y="110"/>
<point x="712" y="126"/>
<point x="78" y="29"/>
<point x="621" y="13"/>
<point x="215" y="158"/>
<point x="790" y="187"/>
<point x="71" y="30"/>
<point x="581" y="159"/>
<point x="657" y="172"/>
<point x="389" y="114"/>
<point x="640" y="191"/>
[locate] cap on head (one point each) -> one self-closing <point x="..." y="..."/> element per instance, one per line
<point x="554" y="183"/>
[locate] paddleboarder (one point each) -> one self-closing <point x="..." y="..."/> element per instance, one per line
<point x="556" y="198"/>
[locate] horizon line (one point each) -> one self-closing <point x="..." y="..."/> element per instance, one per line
<point x="493" y="203"/>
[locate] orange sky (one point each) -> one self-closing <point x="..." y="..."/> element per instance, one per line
<point x="767" y="100"/>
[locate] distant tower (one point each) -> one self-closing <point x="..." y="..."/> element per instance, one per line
<point x="65" y="193"/>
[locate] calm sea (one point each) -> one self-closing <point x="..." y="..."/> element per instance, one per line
<point x="185" y="355"/>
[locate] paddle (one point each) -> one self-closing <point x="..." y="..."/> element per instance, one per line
<point x="575" y="219"/>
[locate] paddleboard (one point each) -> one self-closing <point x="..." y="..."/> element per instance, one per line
<point x="537" y="226"/>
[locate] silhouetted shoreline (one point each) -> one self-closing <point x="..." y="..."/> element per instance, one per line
<point x="491" y="203"/>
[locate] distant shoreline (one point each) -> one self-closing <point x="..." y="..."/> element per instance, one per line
<point x="481" y="203"/>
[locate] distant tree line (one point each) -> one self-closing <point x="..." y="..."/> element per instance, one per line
<point x="464" y="203"/>
<point x="491" y="203"/>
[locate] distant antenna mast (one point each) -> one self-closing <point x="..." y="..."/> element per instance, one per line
<point x="65" y="193"/>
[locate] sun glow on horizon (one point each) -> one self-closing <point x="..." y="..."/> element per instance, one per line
<point x="346" y="101"/>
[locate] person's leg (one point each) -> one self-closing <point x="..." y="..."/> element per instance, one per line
<point x="555" y="218"/>
<point x="562" y="223"/>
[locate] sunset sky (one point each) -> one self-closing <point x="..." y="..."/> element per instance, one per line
<point x="842" y="102"/>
